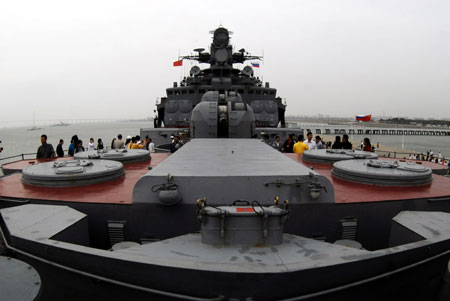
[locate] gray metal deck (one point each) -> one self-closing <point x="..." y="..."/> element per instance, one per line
<point x="227" y="158"/>
<point x="39" y="223"/>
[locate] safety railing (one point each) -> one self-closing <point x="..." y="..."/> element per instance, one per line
<point x="19" y="157"/>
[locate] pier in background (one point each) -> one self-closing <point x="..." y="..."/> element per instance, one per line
<point x="324" y="129"/>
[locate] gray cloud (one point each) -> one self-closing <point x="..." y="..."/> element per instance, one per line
<point x="112" y="59"/>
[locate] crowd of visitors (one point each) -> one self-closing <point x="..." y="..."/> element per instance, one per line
<point x="292" y="144"/>
<point x="429" y="156"/>
<point x="46" y="150"/>
<point x="299" y="144"/>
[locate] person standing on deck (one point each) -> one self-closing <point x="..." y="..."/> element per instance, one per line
<point x="288" y="145"/>
<point x="345" y="143"/>
<point x="45" y="150"/>
<point x="300" y="146"/>
<point x="319" y="143"/>
<point x="59" y="148"/>
<point x="309" y="141"/>
<point x="118" y="143"/>
<point x="277" y="144"/>
<point x="135" y="143"/>
<point x="367" y="146"/>
<point x="79" y="147"/>
<point x="155" y="120"/>
<point x="151" y="145"/>
<point x="337" y="143"/>
<point x="127" y="142"/>
<point x="73" y="145"/>
<point x="100" y="143"/>
<point x="91" y="145"/>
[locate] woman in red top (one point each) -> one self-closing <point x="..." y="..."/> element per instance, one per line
<point x="367" y="147"/>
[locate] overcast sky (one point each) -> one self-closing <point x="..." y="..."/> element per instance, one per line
<point x="112" y="59"/>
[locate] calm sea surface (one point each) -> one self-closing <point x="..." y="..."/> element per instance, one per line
<point x="20" y="140"/>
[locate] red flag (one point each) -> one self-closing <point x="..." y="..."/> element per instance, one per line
<point x="363" y="117"/>
<point x="178" y="63"/>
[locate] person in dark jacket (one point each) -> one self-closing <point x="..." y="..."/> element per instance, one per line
<point x="80" y="147"/>
<point x="59" y="148"/>
<point x="337" y="143"/>
<point x="100" y="143"/>
<point x="45" y="150"/>
<point x="175" y="144"/>
<point x="345" y="143"/>
<point x="288" y="145"/>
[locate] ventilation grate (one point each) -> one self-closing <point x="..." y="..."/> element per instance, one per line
<point x="349" y="228"/>
<point x="116" y="231"/>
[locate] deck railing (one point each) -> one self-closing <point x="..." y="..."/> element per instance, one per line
<point x="17" y="157"/>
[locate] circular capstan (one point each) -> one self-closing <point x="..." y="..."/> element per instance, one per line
<point x="329" y="156"/>
<point x="72" y="173"/>
<point x="383" y="173"/>
<point x="121" y="155"/>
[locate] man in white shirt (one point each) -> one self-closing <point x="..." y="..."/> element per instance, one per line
<point x="149" y="145"/>
<point x="310" y="142"/>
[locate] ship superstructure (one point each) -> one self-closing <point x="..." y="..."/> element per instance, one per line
<point x="174" y="111"/>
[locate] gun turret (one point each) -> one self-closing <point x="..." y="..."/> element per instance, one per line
<point x="222" y="116"/>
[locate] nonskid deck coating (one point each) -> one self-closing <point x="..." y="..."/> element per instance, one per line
<point x="118" y="191"/>
<point x="229" y="158"/>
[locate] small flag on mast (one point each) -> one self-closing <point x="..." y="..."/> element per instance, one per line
<point x="363" y="117"/>
<point x="178" y="63"/>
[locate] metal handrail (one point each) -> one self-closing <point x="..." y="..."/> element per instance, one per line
<point x="18" y="156"/>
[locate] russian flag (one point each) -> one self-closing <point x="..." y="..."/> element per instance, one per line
<point x="178" y="63"/>
<point x="256" y="65"/>
<point x="363" y="117"/>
